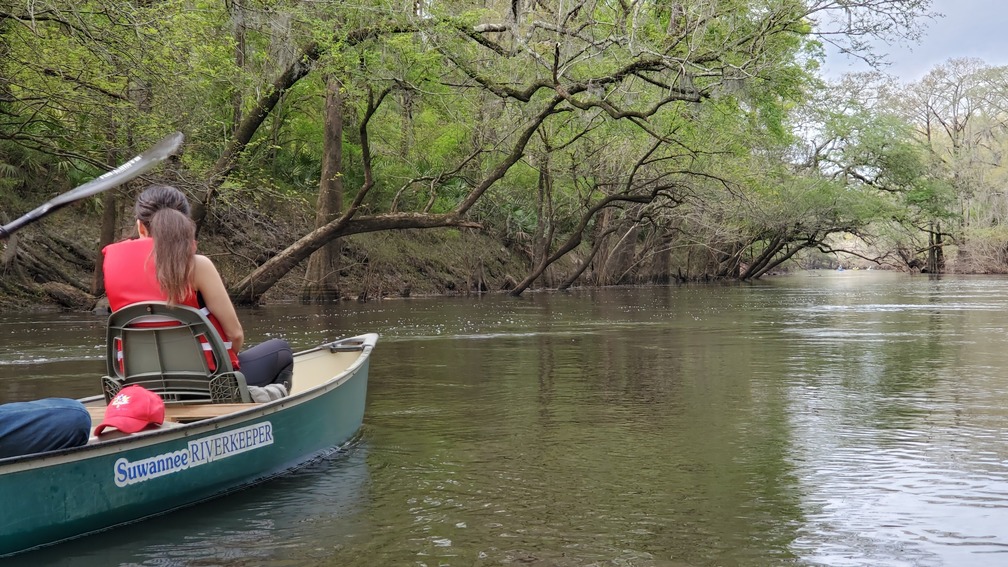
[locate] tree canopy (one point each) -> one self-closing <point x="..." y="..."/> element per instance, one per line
<point x="641" y="141"/>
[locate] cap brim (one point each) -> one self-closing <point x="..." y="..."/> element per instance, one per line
<point x="123" y="423"/>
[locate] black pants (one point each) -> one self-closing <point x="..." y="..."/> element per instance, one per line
<point x="271" y="362"/>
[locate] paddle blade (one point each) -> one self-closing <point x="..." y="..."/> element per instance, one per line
<point x="132" y="169"/>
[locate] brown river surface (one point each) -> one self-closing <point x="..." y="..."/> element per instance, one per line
<point x="821" y="419"/>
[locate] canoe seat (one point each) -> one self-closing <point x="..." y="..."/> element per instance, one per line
<point x="163" y="348"/>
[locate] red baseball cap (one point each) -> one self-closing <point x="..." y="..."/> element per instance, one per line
<point x="133" y="409"/>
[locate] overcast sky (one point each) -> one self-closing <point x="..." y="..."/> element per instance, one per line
<point x="969" y="28"/>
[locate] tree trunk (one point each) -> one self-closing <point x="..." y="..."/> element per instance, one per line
<point x="250" y="289"/>
<point x="621" y="258"/>
<point x="576" y="236"/>
<point x="605" y="225"/>
<point x="657" y="248"/>
<point x="238" y="28"/>
<point x="110" y="210"/>
<point x="543" y="237"/>
<point x="322" y="275"/>
<point x="599" y="241"/>
<point x="936" y="255"/>
<point x="939" y="250"/>
<point x="109" y="220"/>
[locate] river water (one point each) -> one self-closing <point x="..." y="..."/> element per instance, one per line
<point x="825" y="418"/>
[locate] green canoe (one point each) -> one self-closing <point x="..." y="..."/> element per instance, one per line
<point x="202" y="451"/>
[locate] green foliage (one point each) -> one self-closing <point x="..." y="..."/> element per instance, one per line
<point x="932" y="199"/>
<point x="685" y="111"/>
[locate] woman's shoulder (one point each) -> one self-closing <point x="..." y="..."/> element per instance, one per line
<point x="204" y="267"/>
<point x="202" y="262"/>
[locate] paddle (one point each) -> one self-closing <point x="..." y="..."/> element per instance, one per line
<point x="129" y="170"/>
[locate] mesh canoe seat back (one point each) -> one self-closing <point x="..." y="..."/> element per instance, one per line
<point x="167" y="349"/>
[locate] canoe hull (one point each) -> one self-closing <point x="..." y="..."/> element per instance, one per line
<point x="63" y="495"/>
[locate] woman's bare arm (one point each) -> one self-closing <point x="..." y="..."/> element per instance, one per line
<point x="209" y="284"/>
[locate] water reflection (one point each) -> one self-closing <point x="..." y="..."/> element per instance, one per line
<point x="900" y="450"/>
<point x="833" y="419"/>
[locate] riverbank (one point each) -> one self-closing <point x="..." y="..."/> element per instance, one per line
<point x="50" y="265"/>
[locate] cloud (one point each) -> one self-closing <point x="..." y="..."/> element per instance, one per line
<point x="968" y="28"/>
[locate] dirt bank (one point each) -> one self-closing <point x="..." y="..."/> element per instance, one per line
<point x="50" y="265"/>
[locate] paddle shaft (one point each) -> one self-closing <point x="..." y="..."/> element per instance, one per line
<point x="130" y="170"/>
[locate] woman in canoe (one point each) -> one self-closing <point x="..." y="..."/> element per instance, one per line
<point x="162" y="265"/>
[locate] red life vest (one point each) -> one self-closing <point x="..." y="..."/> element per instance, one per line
<point x="130" y="277"/>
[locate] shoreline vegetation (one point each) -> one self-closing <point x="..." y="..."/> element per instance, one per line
<point x="50" y="266"/>
<point x="335" y="150"/>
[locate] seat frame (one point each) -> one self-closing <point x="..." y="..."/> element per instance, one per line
<point x="162" y="349"/>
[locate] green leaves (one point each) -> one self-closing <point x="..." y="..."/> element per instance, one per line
<point x="682" y="116"/>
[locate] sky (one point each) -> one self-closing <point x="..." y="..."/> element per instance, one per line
<point x="969" y="28"/>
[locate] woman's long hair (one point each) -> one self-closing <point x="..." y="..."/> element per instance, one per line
<point x="164" y="210"/>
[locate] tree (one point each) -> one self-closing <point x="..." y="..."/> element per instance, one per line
<point x="322" y="273"/>
<point x="958" y="110"/>
<point x="656" y="81"/>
